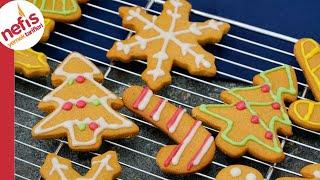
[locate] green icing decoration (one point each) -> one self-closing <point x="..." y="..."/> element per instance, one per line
<point x="71" y="81"/>
<point x="62" y="11"/>
<point x="96" y="102"/>
<point x="82" y="126"/>
<point x="284" y="119"/>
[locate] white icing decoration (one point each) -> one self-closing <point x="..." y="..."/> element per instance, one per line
<point x="104" y="163"/>
<point x="156" y="115"/>
<point x="145" y="100"/>
<point x="59" y="168"/>
<point x="316" y="174"/>
<point x="187" y="140"/>
<point x="69" y="124"/>
<point x="235" y="172"/>
<point x="167" y="36"/>
<point x="141" y="42"/>
<point x="203" y="151"/>
<point x="174" y="126"/>
<point x="251" y="176"/>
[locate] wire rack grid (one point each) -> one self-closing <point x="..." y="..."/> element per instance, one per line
<point x="237" y="62"/>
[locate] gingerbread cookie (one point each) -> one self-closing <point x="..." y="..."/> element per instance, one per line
<point x="239" y="172"/>
<point x="66" y="11"/>
<point x="31" y="63"/>
<point x="306" y="114"/>
<point x="310" y="172"/>
<point x="252" y="116"/>
<point x="81" y="108"/>
<point x="166" y="40"/>
<point x="104" y="167"/>
<point x="48" y="28"/>
<point x="307" y="52"/>
<point x="195" y="147"/>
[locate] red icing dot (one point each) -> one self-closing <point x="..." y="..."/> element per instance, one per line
<point x="93" y="126"/>
<point x="241" y="105"/>
<point x="67" y="106"/>
<point x="81" y="104"/>
<point x="276" y="105"/>
<point x="265" y="88"/>
<point x="80" y="79"/>
<point x="268" y="135"/>
<point x="255" y="119"/>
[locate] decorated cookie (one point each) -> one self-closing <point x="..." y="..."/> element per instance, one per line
<point x="166" y="40"/>
<point x="104" y="167"/>
<point x="66" y="11"/>
<point x="310" y="172"/>
<point x="252" y="116"/>
<point x="31" y="63"/>
<point x="81" y="108"/>
<point x="307" y="52"/>
<point x="306" y="114"/>
<point x="195" y="147"/>
<point x="49" y="27"/>
<point x="239" y="172"/>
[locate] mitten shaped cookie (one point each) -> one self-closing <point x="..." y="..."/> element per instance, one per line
<point x="167" y="40"/>
<point x="195" y="147"/>
<point x="104" y="167"/>
<point x="252" y="116"/>
<point x="81" y="108"/>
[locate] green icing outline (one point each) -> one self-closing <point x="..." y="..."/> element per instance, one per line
<point x="53" y="11"/>
<point x="277" y="98"/>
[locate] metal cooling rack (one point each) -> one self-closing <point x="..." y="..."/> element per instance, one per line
<point x="244" y="52"/>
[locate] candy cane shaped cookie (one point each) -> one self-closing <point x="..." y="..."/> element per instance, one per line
<point x="195" y="147"/>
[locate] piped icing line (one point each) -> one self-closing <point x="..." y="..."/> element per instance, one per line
<point x="156" y="112"/>
<point x="174" y="121"/>
<point x="142" y="101"/>
<point x="195" y="160"/>
<point x="63" y="11"/>
<point x="176" y="153"/>
<point x="59" y="168"/>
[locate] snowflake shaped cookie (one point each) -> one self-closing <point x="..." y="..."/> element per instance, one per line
<point x="166" y="40"/>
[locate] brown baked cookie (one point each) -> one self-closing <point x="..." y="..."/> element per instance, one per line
<point x="31" y="63"/>
<point x="310" y="172"/>
<point x="167" y="40"/>
<point x="104" y="167"/>
<point x="66" y="11"/>
<point x="195" y="147"/>
<point x="48" y="28"/>
<point x="307" y="52"/>
<point x="81" y="108"/>
<point x="306" y="113"/>
<point x="252" y="116"/>
<point x="239" y="172"/>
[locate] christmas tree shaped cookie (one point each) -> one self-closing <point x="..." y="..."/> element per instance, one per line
<point x="309" y="172"/>
<point x="58" y="10"/>
<point x="167" y="40"/>
<point x="104" y="167"/>
<point x="31" y="63"/>
<point x="306" y="113"/>
<point x="252" y="116"/>
<point x="81" y="108"/>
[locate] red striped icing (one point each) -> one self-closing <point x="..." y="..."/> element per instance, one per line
<point x="176" y="149"/>
<point x="155" y="109"/>
<point x="174" y="117"/>
<point x="141" y="96"/>
<point x="190" y="164"/>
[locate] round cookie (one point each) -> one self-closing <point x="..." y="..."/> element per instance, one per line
<point x="239" y="172"/>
